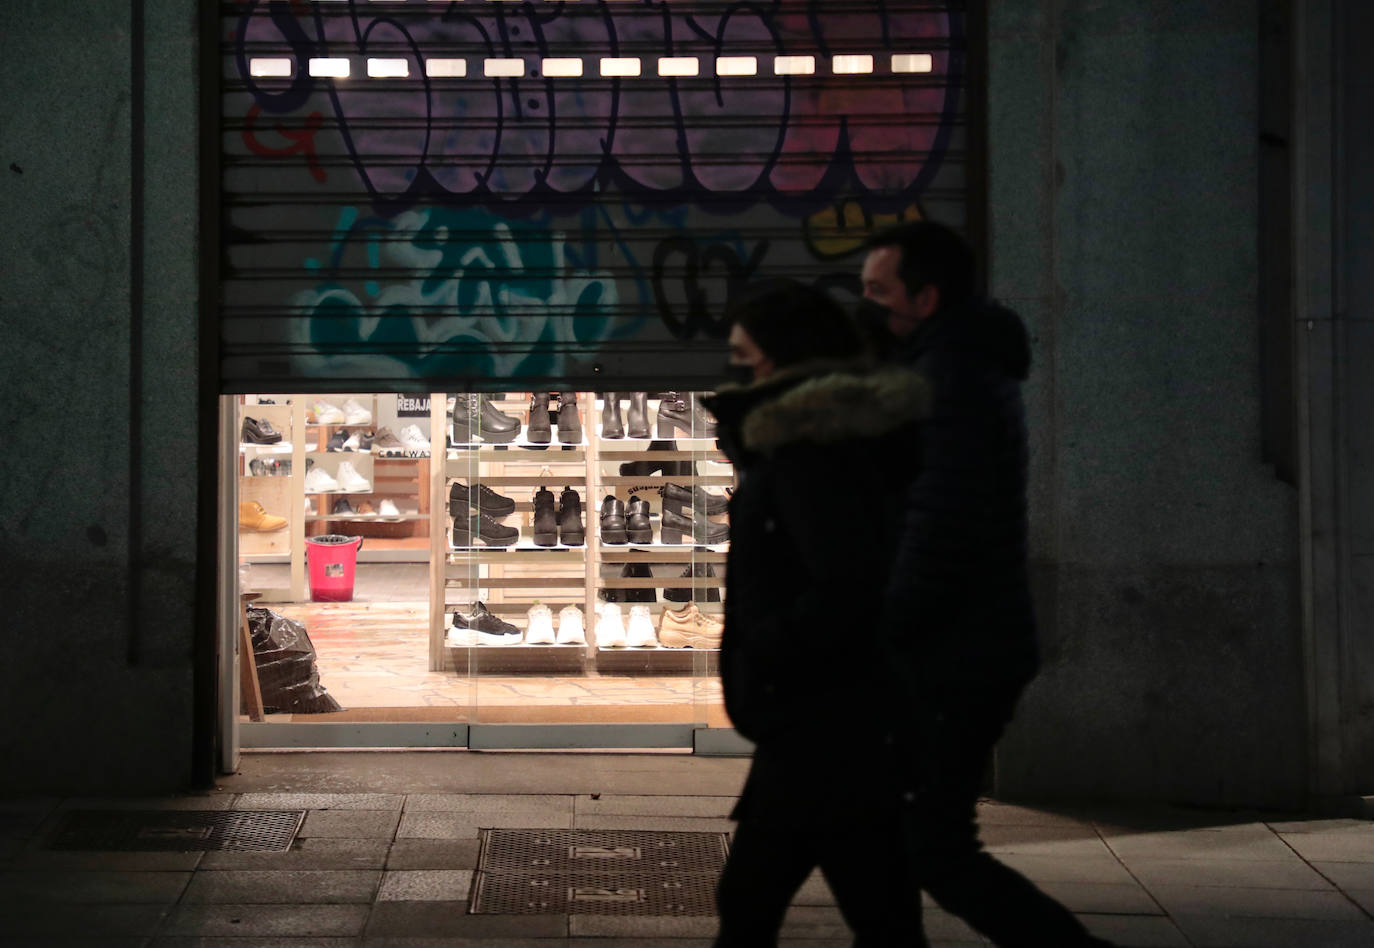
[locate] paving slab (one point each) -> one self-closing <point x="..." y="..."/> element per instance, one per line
<point x="1060" y="868"/>
<point x="282" y="921"/>
<point x="489" y="802"/>
<point x="451" y="824"/>
<point x="1063" y="840"/>
<point x="63" y="887"/>
<point x="1103" y="898"/>
<point x="450" y="920"/>
<point x="1250" y="841"/>
<point x="319" y="801"/>
<point x="814" y="891"/>
<point x="1292" y="874"/>
<point x="640" y="805"/>
<point x="215" y="941"/>
<point x="640" y="928"/>
<point x="992" y="813"/>
<point x="1136" y="931"/>
<point x="433" y="854"/>
<point x="202" y="801"/>
<point x="242" y="886"/>
<point x="1364" y="898"/>
<point x="664" y="824"/>
<point x="391" y="941"/>
<point x="426" y="885"/>
<point x="354" y="824"/>
<point x="1334" y="844"/>
<point x="1213" y="931"/>
<point x="35" y="919"/>
<point x="1254" y="903"/>
<point x="83" y="861"/>
<point x="1348" y="875"/>
<point x="39" y="941"/>
<point x="312" y="852"/>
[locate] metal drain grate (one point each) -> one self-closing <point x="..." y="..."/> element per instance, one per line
<point x="177" y="830"/>
<point x="597" y="872"/>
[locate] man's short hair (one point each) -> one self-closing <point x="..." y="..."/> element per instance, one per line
<point x="791" y="322"/>
<point x="931" y="254"/>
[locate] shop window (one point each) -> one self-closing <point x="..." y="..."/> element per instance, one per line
<point x="446" y="68"/>
<point x="273" y="68"/>
<point x="503" y="68"/>
<point x="737" y="65"/>
<point x="852" y="64"/>
<point x="329" y="68"/>
<point x="794" y="65"/>
<point x="556" y="68"/>
<point x="623" y="66"/>
<point x="679" y="66"/>
<point x="913" y="62"/>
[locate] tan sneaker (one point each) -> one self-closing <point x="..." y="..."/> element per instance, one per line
<point x="688" y="628"/>
<point x="252" y="516"/>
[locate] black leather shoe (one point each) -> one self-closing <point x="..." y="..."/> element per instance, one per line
<point x="493" y="424"/>
<point x="709" y="594"/>
<point x="545" y="518"/>
<point x="695" y="497"/>
<point x="539" y="429"/>
<point x="259" y="431"/>
<point x="481" y="620"/>
<point x="635" y="571"/>
<point x="571" y="532"/>
<point x="461" y="497"/>
<point x="679" y="529"/>
<point x="638" y="419"/>
<point x="637" y="525"/>
<point x="569" y="424"/>
<point x="487" y="528"/>
<point x="611" y="425"/>
<point x="613" y="520"/>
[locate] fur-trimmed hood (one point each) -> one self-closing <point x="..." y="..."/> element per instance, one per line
<point x="821" y="403"/>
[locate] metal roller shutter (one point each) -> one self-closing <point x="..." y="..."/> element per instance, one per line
<point x="467" y="193"/>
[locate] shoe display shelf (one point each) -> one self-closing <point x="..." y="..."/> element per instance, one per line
<point x="509" y="578"/>
<point x="274" y="490"/>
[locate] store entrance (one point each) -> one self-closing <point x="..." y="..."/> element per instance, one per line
<point x="510" y="569"/>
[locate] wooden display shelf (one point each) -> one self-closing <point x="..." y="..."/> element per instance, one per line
<point x="662" y="582"/>
<point x="644" y="454"/>
<point x="516" y="582"/>
<point x="567" y="555"/>
<point x="658" y="480"/>
<point x="532" y="480"/>
<point x="565" y="454"/>
<point x="637" y="553"/>
<point x="505" y="659"/>
<point x="656" y="660"/>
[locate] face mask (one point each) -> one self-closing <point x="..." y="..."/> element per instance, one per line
<point x="739" y="373"/>
<point x="873" y="319"/>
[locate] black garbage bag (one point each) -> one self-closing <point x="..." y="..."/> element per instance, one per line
<point x="287" y="673"/>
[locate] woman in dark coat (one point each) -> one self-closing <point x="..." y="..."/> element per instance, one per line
<point x="824" y="448"/>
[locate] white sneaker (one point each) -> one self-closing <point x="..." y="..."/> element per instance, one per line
<point x="570" y="629"/>
<point x="309" y="507"/>
<point x="416" y="444"/>
<point x="318" y="481"/>
<point x="641" y="631"/>
<point x="356" y="414"/>
<point x="327" y="414"/>
<point x="461" y="638"/>
<point x="386" y="510"/>
<point x="351" y="480"/>
<point x="610" y="631"/>
<point x="540" y="630"/>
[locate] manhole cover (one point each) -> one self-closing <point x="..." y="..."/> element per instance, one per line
<point x="597" y="872"/>
<point x="177" y="830"/>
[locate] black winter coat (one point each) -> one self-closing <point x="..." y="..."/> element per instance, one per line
<point x="824" y="455"/>
<point x="960" y="595"/>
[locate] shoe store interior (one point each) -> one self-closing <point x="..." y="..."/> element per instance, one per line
<point x="518" y="557"/>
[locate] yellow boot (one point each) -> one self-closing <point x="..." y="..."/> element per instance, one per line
<point x="252" y="516"/>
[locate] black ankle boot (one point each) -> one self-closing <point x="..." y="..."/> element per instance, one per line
<point x="637" y="525"/>
<point x="496" y="426"/>
<point x="709" y="594"/>
<point x="611" y="425"/>
<point x="569" y="424"/>
<point x="613" y="520"/>
<point x="679" y="529"/>
<point x="545" y="519"/>
<point x="638" y="420"/>
<point x="695" y="497"/>
<point x="680" y="410"/>
<point x="571" y="532"/>
<point x="539" y="428"/>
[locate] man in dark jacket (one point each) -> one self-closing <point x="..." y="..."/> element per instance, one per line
<point x="958" y="599"/>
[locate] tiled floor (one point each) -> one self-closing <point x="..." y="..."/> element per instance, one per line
<point x="390" y="863"/>
<point x="373" y="656"/>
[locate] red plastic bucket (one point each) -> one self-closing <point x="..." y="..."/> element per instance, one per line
<point x="333" y="561"/>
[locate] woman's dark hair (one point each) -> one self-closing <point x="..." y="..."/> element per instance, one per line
<point x="792" y="322"/>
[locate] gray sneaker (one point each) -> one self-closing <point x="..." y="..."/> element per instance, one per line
<point x="387" y="445"/>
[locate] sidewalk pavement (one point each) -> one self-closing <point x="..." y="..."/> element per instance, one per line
<point x="386" y="853"/>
